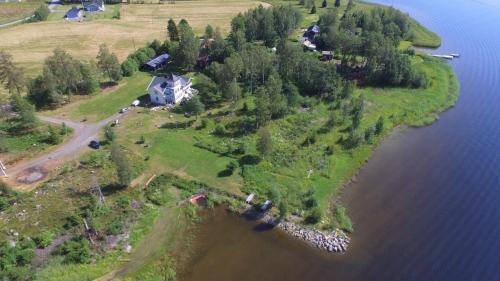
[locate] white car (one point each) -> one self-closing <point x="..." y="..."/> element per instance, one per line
<point x="123" y="110"/>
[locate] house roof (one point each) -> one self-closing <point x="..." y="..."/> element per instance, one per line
<point x="161" y="83"/>
<point x="159" y="60"/>
<point x="74" y="12"/>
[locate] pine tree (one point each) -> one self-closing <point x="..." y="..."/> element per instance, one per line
<point x="324" y="4"/>
<point x="173" y="33"/>
<point x="337" y="3"/>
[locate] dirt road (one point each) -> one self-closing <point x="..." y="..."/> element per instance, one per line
<point x="24" y="174"/>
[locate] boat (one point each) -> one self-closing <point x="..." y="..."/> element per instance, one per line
<point x="443" y="57"/>
<point x="455" y="55"/>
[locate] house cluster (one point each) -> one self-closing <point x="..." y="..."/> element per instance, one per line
<point x="77" y="14"/>
<point x="309" y="40"/>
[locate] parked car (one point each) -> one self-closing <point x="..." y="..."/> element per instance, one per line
<point x="136" y="103"/>
<point x="94" y="144"/>
<point x="123" y="110"/>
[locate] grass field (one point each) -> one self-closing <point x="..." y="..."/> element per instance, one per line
<point x="102" y="105"/>
<point x="30" y="44"/>
<point x="14" y="11"/>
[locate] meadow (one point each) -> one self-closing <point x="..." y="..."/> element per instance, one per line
<point x="31" y="43"/>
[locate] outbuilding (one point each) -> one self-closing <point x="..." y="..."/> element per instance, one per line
<point x="156" y="63"/>
<point x="327" y="55"/>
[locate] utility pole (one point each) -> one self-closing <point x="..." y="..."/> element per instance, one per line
<point x="97" y="189"/>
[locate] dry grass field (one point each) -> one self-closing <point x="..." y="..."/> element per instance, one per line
<point x="31" y="43"/>
<point x="14" y="11"/>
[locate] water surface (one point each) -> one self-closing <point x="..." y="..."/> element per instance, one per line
<point x="425" y="207"/>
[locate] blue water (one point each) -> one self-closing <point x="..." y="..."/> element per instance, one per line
<point x="426" y="206"/>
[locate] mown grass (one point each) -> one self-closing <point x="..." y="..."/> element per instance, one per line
<point x="104" y="104"/>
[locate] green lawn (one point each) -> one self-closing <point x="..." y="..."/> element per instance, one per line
<point x="103" y="105"/>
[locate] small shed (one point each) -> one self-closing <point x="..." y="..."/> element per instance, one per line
<point x="156" y="63"/>
<point x="327" y="55"/>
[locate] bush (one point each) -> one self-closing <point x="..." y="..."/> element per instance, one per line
<point x="343" y="220"/>
<point x="115" y="227"/>
<point x="41" y="13"/>
<point x="314" y="216"/>
<point x="43" y="239"/>
<point x="129" y="67"/>
<point x="53" y="137"/>
<point x="3" y="145"/>
<point x="220" y="130"/>
<point x="4" y="203"/>
<point x="76" y="250"/>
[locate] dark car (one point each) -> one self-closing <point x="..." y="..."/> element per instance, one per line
<point x="95" y="144"/>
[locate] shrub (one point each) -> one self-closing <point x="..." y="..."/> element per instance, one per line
<point x="3" y="145"/>
<point x="43" y="239"/>
<point x="315" y="215"/>
<point x="4" y="203"/>
<point x="53" y="137"/>
<point x="129" y="67"/>
<point x="115" y="227"/>
<point x="379" y="126"/>
<point x="220" y="130"/>
<point x="76" y="250"/>
<point x="41" y="13"/>
<point x="343" y="220"/>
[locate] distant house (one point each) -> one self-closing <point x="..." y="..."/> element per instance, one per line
<point x="156" y="63"/>
<point x="171" y="89"/>
<point x="74" y="14"/>
<point x="327" y="55"/>
<point x="93" y="6"/>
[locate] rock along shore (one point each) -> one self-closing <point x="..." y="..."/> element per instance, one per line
<point x="334" y="241"/>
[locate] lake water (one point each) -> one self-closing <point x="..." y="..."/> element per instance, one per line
<point x="425" y="207"/>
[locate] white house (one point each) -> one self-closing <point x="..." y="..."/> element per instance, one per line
<point x="171" y="89"/>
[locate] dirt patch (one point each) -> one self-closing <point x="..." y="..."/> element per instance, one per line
<point x="32" y="175"/>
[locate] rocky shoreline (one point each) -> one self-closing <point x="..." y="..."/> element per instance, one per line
<point x="334" y="241"/>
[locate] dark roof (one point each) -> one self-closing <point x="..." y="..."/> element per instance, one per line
<point x="159" y="60"/>
<point x="73" y="13"/>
